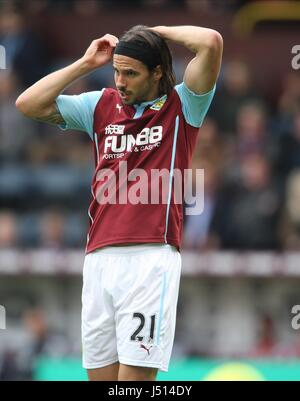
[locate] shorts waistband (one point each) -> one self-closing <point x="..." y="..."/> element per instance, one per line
<point x="132" y="249"/>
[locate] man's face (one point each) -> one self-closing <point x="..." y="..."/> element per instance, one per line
<point x="135" y="83"/>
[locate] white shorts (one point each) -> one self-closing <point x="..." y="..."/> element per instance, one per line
<point x="129" y="301"/>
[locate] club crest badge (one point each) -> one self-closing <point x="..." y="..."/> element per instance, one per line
<point x="159" y="104"/>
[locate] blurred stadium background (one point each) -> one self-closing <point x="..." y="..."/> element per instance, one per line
<point x="241" y="260"/>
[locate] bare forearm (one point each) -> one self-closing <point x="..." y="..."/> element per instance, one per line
<point x="202" y="71"/>
<point x="44" y="92"/>
<point x="38" y="101"/>
<point x="194" y="38"/>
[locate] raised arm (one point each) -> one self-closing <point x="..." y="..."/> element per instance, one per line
<point x="38" y="101"/>
<point x="203" y="70"/>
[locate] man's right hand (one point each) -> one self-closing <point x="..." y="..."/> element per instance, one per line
<point x="100" y="52"/>
<point x="38" y="101"/>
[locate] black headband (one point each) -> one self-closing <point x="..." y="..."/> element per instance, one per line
<point x="141" y="51"/>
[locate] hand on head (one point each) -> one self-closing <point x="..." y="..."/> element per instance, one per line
<point x="101" y="50"/>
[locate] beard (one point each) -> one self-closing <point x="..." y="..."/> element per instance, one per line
<point x="140" y="97"/>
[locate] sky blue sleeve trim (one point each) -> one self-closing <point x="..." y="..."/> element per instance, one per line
<point x="171" y="174"/>
<point x="78" y="111"/>
<point x="194" y="106"/>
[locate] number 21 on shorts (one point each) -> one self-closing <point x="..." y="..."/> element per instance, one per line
<point x="142" y="318"/>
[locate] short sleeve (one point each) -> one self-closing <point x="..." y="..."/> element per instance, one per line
<point x="78" y="110"/>
<point x="194" y="106"/>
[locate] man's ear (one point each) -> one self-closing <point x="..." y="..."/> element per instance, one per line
<point x="157" y="73"/>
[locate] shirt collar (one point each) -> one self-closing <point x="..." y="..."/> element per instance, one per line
<point x="151" y="102"/>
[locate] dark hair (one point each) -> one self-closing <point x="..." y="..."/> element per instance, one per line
<point x="143" y="34"/>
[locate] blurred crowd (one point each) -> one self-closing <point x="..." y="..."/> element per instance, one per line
<point x="250" y="153"/>
<point x="248" y="147"/>
<point x="90" y="7"/>
<point x="19" y="362"/>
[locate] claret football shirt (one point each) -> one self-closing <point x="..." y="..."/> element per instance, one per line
<point x="138" y="150"/>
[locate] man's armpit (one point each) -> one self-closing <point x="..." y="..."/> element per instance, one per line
<point x="52" y="116"/>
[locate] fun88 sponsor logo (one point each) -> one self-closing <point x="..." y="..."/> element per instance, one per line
<point x="114" y="129"/>
<point x="127" y="142"/>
